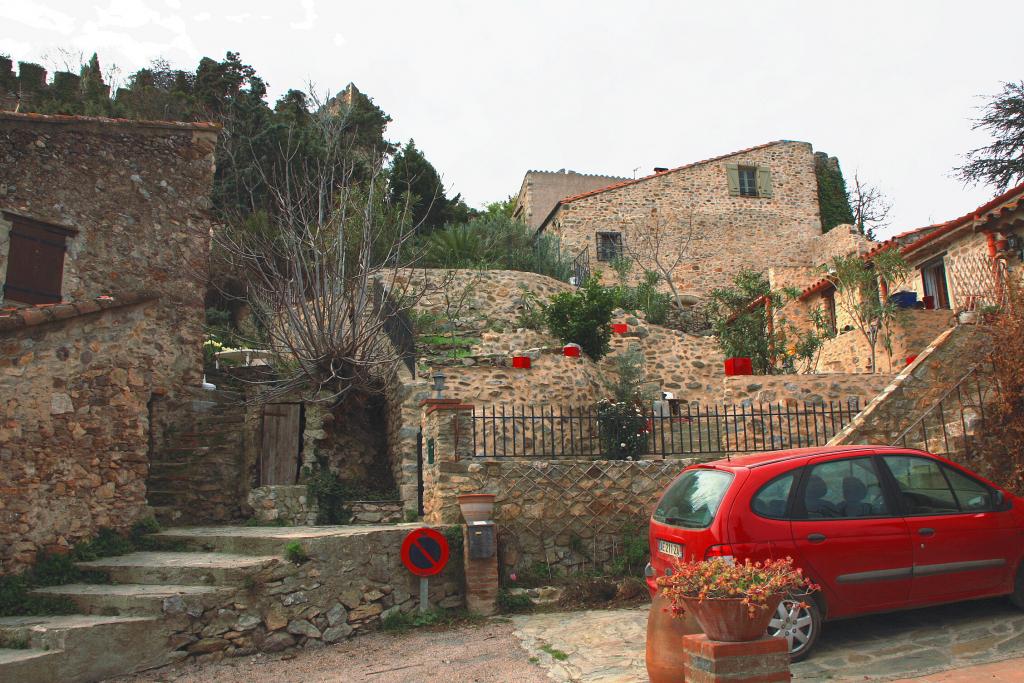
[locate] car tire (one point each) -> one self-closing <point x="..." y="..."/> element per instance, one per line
<point x="1017" y="596"/>
<point x="798" y="624"/>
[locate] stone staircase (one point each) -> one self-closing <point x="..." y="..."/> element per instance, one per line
<point x="123" y="626"/>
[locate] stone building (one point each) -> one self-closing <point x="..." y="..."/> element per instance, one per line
<point x="104" y="237"/>
<point x="542" y="190"/>
<point x="741" y="210"/>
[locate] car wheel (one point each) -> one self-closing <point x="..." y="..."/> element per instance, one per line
<point x="798" y="623"/>
<point x="1017" y="597"/>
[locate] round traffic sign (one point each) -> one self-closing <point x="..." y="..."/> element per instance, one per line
<point x="425" y="552"/>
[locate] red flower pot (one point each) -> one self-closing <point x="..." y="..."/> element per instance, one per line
<point x="620" y="328"/>
<point x="665" y="658"/>
<point x="571" y="350"/>
<point x="1002" y="245"/>
<point x="521" y="362"/>
<point x="728" y="619"/>
<point x="738" y="366"/>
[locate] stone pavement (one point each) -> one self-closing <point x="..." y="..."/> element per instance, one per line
<point x="607" y="646"/>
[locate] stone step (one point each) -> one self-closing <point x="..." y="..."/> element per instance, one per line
<point x="175" y="569"/>
<point x="81" y="648"/>
<point x="264" y="540"/>
<point x="134" y="599"/>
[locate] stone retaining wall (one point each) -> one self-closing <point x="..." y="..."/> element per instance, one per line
<point x="348" y="585"/>
<point x="823" y="388"/>
<point x="912" y="331"/>
<point x="291" y="505"/>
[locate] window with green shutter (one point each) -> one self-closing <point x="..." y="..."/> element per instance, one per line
<point x="748" y="181"/>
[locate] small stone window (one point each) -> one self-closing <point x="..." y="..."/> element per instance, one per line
<point x="35" y="260"/>
<point x="609" y="246"/>
<point x="749" y="181"/>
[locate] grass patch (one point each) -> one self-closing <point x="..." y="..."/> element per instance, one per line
<point x="554" y="652"/>
<point x="511" y="603"/>
<point x="12" y="642"/>
<point x="448" y="342"/>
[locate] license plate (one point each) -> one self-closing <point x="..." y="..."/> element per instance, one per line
<point x="669" y="548"/>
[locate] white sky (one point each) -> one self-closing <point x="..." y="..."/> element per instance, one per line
<point x="490" y="90"/>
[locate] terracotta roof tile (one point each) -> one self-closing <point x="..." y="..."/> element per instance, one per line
<point x="12" y="318"/>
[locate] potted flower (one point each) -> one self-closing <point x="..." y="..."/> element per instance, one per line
<point x="477" y="507"/>
<point x="732" y="601"/>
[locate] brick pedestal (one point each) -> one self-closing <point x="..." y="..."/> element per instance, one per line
<point x="481" y="580"/>
<point x="758" y="661"/>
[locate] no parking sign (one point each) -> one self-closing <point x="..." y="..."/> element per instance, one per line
<point x="425" y="552"/>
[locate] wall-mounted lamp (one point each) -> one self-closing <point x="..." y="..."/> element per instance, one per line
<point x="439" y="378"/>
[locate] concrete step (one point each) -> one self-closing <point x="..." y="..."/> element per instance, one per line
<point x="133" y="599"/>
<point x="80" y="648"/>
<point x="247" y="540"/>
<point x="176" y="569"/>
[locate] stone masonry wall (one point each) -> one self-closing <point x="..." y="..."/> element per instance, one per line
<point x="912" y="331"/>
<point x="541" y="190"/>
<point x="348" y="585"/>
<point x="728" y="232"/>
<point x="291" y="506"/>
<point x="800" y="389"/>
<point x="74" y="420"/>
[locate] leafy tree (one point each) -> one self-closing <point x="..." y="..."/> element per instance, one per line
<point x="95" y="93"/>
<point x="742" y="333"/>
<point x="415" y="180"/>
<point x="583" y="317"/>
<point x="1000" y="163"/>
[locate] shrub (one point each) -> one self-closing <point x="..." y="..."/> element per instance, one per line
<point x="583" y="317"/>
<point x="295" y="553"/>
<point x="326" y="488"/>
<point x="623" y="429"/>
<point x="512" y="603"/>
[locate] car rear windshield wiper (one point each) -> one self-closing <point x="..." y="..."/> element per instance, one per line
<point x="675" y="521"/>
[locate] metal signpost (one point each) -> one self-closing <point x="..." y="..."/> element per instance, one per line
<point x="425" y="553"/>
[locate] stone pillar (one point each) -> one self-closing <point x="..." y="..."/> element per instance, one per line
<point x="447" y="434"/>
<point x="759" y="661"/>
<point x="481" y="577"/>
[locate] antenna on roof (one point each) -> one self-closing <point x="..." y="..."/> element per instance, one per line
<point x="634" y="172"/>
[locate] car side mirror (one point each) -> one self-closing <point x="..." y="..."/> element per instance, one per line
<point x="999" y="500"/>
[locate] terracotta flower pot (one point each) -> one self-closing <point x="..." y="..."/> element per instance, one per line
<point x="665" y="658"/>
<point x="477" y="507"/>
<point x="729" y="620"/>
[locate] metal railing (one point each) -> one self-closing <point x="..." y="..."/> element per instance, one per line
<point x="951" y="425"/>
<point x="674" y="430"/>
<point x="581" y="267"/>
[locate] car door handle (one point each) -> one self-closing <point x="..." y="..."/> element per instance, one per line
<point x="926" y="531"/>
<point x="816" y="538"/>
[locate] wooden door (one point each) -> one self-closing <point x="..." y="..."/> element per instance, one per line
<point x="282" y="442"/>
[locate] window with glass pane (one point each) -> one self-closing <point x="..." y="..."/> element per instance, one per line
<point x="609" y="246"/>
<point x="973" y="496"/>
<point x="923" y="487"/>
<point x="844" y="489"/>
<point x="693" y="500"/>
<point x="771" y="500"/>
<point x="748" y="181"/>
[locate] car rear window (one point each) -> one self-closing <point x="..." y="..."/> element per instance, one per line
<point x="693" y="499"/>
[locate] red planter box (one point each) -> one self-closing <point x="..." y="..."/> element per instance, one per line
<point x="571" y="350"/>
<point x="738" y="366"/>
<point x="620" y="328"/>
<point x="911" y="359"/>
<point x="521" y="362"/>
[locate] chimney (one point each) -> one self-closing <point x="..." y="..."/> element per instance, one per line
<point x="660" y="169"/>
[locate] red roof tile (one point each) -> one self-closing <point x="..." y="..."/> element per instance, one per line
<point x="12" y="318"/>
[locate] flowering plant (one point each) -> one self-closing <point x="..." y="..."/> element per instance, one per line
<point x="623" y="429"/>
<point x="755" y="583"/>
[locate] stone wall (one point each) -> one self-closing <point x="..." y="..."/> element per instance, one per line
<point x="799" y="389"/>
<point x="917" y="388"/>
<point x="726" y="232"/>
<point x="913" y="330"/>
<point x="348" y="585"/>
<point x="75" y="384"/>
<point x="541" y="190"/>
<point x="291" y="506"/>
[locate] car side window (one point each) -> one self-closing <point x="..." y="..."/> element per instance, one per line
<point x="973" y="496"/>
<point x="771" y="500"/>
<point x="844" y="489"/>
<point x="922" y="486"/>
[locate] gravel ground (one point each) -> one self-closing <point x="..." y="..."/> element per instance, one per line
<point x="487" y="652"/>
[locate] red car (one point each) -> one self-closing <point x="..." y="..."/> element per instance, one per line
<point x="878" y="528"/>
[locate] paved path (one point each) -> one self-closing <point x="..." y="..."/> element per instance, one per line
<point x="607" y="646"/>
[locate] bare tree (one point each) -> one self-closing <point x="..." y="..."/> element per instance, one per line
<point x="316" y="265"/>
<point x="871" y="208"/>
<point x="661" y="242"/>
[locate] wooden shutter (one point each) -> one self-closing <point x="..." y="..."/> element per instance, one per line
<point x="764" y="181"/>
<point x="282" y="439"/>
<point x="35" y="262"/>
<point x="732" y="172"/>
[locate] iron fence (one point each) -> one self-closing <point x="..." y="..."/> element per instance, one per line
<point x="669" y="429"/>
<point x="581" y="267"/>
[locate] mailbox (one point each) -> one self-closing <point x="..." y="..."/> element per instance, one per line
<point x="481" y="539"/>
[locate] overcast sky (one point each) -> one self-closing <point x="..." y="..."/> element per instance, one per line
<point x="489" y="90"/>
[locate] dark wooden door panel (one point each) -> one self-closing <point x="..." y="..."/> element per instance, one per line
<point x="282" y="435"/>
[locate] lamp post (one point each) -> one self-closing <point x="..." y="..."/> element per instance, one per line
<point x="439" y="378"/>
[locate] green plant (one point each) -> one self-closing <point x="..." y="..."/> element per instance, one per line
<point x="554" y="652"/>
<point x="832" y="195"/>
<point x="583" y="317"/>
<point x="513" y="603"/>
<point x="399" y="621"/>
<point x="531" y="312"/>
<point x="623" y="429"/>
<point x="634" y="555"/>
<point x="453" y="534"/>
<point x="14" y="642"/>
<point x="106" y="543"/>
<point x="325" y="487"/>
<point x="537" y="574"/>
<point x="629" y="372"/>
<point x="295" y="553"/>
<point x="16" y="600"/>
<point x="410" y="515"/>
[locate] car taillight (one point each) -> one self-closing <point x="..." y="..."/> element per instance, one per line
<point x="723" y="551"/>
